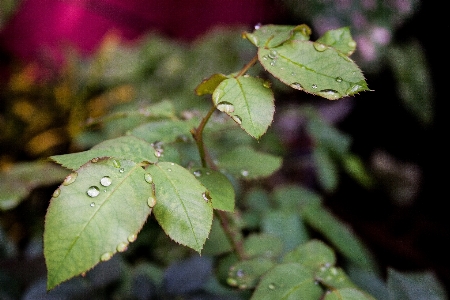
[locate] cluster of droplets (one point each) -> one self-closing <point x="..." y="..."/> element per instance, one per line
<point x="121" y="247"/>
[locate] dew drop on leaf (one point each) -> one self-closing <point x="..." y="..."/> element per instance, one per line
<point x="92" y="204"/>
<point x="158" y="153"/>
<point x="273" y="62"/>
<point x="354" y="89"/>
<point x="106" y="181"/>
<point x="314" y="86"/>
<point x="56" y="193"/>
<point x="132" y="237"/>
<point x="121" y="170"/>
<point x="93" y="191"/>
<point x="244" y="173"/>
<point x="106" y="256"/>
<point x="237" y="119"/>
<point x="70" y="178"/>
<point x="319" y="47"/>
<point x="169" y="170"/>
<point x="240" y="273"/>
<point x="151" y="201"/>
<point x="329" y="94"/>
<point x="122" y="247"/>
<point x="116" y="163"/>
<point x="206" y="196"/>
<point x="272" y="286"/>
<point x="231" y="281"/>
<point x="339" y="79"/>
<point x="197" y="173"/>
<point x="352" y="44"/>
<point x="225" y="106"/>
<point x="148" y="178"/>
<point x="267" y="84"/>
<point x="273" y="54"/>
<point x="296" y="85"/>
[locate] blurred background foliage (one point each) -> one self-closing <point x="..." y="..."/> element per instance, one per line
<point x="370" y="156"/>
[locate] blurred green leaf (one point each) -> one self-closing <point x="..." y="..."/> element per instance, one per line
<point x="340" y="39"/>
<point x="208" y="85"/>
<point x="94" y="213"/>
<point x="414" y="83"/>
<point x="288" y="281"/>
<point x="313" y="254"/>
<point x="263" y="245"/>
<point x="20" y="179"/>
<point x="245" y="274"/>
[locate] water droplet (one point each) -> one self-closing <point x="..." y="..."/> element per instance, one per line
<point x="56" y="193"/>
<point x="106" y="256"/>
<point x="244" y="173"/>
<point x="70" y="178"/>
<point x="121" y="170"/>
<point x="334" y="271"/>
<point x="122" y="247"/>
<point x="148" y="178"/>
<point x="258" y="26"/>
<point x="94" y="160"/>
<point x="93" y="191"/>
<point x="320" y="47"/>
<point x="92" y="204"/>
<point x="106" y="181"/>
<point x="172" y="164"/>
<point x="273" y="62"/>
<point x="206" y="196"/>
<point x="273" y="54"/>
<point x="354" y="89"/>
<point x="116" y="163"/>
<point x="169" y="170"/>
<point x="225" y="106"/>
<point x="329" y="94"/>
<point x="240" y="273"/>
<point x="272" y="286"/>
<point x="151" y="201"/>
<point x="292" y="74"/>
<point x="352" y="44"/>
<point x="197" y="173"/>
<point x="267" y="84"/>
<point x="265" y="57"/>
<point x="231" y="281"/>
<point x="296" y="85"/>
<point x="132" y="237"/>
<point x="158" y="153"/>
<point x="237" y="119"/>
<point x="314" y="86"/>
<point x="339" y="79"/>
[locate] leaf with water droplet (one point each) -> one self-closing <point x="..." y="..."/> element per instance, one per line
<point x="256" y="164"/>
<point x="125" y="147"/>
<point x="245" y="274"/>
<point x="208" y="85"/>
<point x="340" y="39"/>
<point x="181" y="210"/>
<point x="351" y="294"/>
<point x="77" y="233"/>
<point x="312" y="254"/>
<point x="263" y="245"/>
<point x="253" y="104"/>
<point x="315" y="71"/>
<point x="287" y="281"/>
<point x="220" y="188"/>
<point x="270" y="36"/>
<point x="333" y="277"/>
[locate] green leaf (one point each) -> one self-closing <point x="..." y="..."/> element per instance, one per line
<point x="414" y="80"/>
<point x="182" y="208"/>
<point x="314" y="68"/>
<point x="163" y="131"/>
<point x="246" y="274"/>
<point x="17" y="182"/>
<point x="333" y="278"/>
<point x="291" y="197"/>
<point x="414" y="285"/>
<point x="349" y="294"/>
<point x="208" y="85"/>
<point x="94" y="213"/>
<point x="287" y="226"/>
<point x="246" y="163"/>
<point x="340" y="39"/>
<point x="248" y="102"/>
<point x="263" y="245"/>
<point x="270" y="36"/>
<point x="326" y="168"/>
<point x="290" y="281"/>
<point x="340" y="235"/>
<point x="125" y="147"/>
<point x="220" y="188"/>
<point x="313" y="255"/>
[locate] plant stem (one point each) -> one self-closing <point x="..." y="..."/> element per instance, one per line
<point x="233" y="235"/>
<point x="247" y="66"/>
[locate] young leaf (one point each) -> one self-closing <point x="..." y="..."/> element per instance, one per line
<point x="340" y="39"/>
<point x="247" y="163"/>
<point x="93" y="214"/>
<point x="208" y="85"/>
<point x="248" y="102"/>
<point x="287" y="281"/>
<point x="220" y="188"/>
<point x="314" y="68"/>
<point x="270" y="35"/>
<point x="125" y="147"/>
<point x="183" y="208"/>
